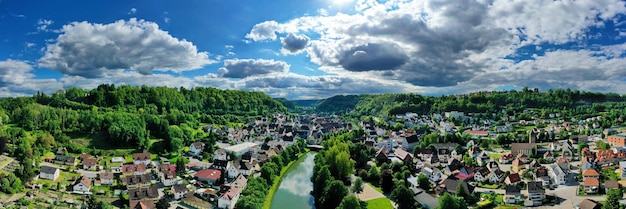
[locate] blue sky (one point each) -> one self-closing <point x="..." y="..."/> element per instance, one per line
<point x="314" y="49"/>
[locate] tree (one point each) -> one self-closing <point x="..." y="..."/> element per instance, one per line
<point x="386" y="181"/>
<point x="350" y="202"/>
<point x="612" y="200"/>
<point x="448" y="201"/>
<point x="403" y="196"/>
<point x="423" y="182"/>
<point x="461" y="191"/>
<point x="268" y="172"/>
<point x="162" y="204"/>
<point x="180" y="165"/>
<point x="320" y="179"/>
<point x="357" y="186"/>
<point x="334" y="193"/>
<point x="373" y="174"/>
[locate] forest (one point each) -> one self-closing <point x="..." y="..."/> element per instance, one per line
<point x="512" y="102"/>
<point x="120" y="119"/>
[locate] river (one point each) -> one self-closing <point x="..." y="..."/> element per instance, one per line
<point x="296" y="186"/>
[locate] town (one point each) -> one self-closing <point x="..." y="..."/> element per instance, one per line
<point x="530" y="157"/>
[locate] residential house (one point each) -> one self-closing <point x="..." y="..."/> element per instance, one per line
<point x="483" y="158"/>
<point x="523" y="157"/>
<point x="548" y="156"/>
<point x="591" y="173"/>
<point x="381" y="155"/>
<point x="137" y="181"/>
<point x="591" y="185"/>
<point x="517" y="165"/>
<point x="512" y="194"/>
<point x="150" y="193"/>
<point x="610" y="184"/>
<point x="536" y="194"/>
<point x="588" y="204"/>
<point x="456" y="155"/>
<point x="106" y="178"/>
<point x="196" y="148"/>
<point x="50" y="173"/>
<point x="481" y="174"/>
<point x="587" y="165"/>
<point x="81" y="185"/>
<point x="133" y="169"/>
<point x="512" y="179"/>
<point x="496" y="176"/>
<point x="65" y="160"/>
<point x="506" y="158"/>
<point x="557" y="174"/>
<point x="534" y="164"/>
<point x="450" y="185"/>
<point x="555" y="146"/>
<point x="409" y="142"/>
<point x="220" y="154"/>
<point x="142" y="204"/>
<point x="210" y="176"/>
<point x="404" y="156"/>
<point x="89" y="163"/>
<point x="168" y="178"/>
<point x="180" y="191"/>
<point x="229" y="198"/>
<point x="541" y="175"/>
<point x="433" y="174"/>
<point x="473" y="151"/>
<point x="564" y="164"/>
<point x="141" y="158"/>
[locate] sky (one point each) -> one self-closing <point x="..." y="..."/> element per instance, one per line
<point x="316" y="48"/>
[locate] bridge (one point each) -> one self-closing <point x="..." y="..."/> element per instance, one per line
<point x="315" y="147"/>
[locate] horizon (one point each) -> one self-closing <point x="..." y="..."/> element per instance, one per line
<point x="317" y="49"/>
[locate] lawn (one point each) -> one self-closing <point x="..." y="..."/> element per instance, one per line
<point x="379" y="203"/>
<point x="378" y="189"/>
<point x="91" y="141"/>
<point x="525" y="128"/>
<point x="495" y="156"/>
<point x="488" y="186"/>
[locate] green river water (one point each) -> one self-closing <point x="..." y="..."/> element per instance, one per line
<point x="296" y="186"/>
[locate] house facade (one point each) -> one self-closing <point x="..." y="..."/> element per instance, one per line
<point x="82" y="185"/>
<point x="179" y="191"/>
<point x="50" y="173"/>
<point x="196" y="148"/>
<point x="141" y="158"/>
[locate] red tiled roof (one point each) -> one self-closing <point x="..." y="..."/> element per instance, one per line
<point x="590" y="172"/>
<point x="209" y="174"/>
<point x="591" y="182"/>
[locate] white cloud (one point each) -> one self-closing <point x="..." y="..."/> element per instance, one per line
<point x="17" y="79"/>
<point x="264" y="31"/>
<point x="91" y="50"/>
<point x="43" y="25"/>
<point x="29" y="44"/>
<point x="132" y="11"/>
<point x="443" y="44"/>
<point x="241" y="68"/>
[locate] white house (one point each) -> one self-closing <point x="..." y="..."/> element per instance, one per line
<point x="50" y="173"/>
<point x="496" y="176"/>
<point x="229" y="198"/>
<point x="512" y="194"/>
<point x="106" y="178"/>
<point x="434" y="174"/>
<point x="179" y="191"/>
<point x="233" y="170"/>
<point x="409" y="142"/>
<point x="168" y="178"/>
<point x="481" y="174"/>
<point x="557" y="174"/>
<point x="196" y="148"/>
<point x="82" y="185"/>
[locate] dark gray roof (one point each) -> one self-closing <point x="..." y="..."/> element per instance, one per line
<point x="512" y="189"/>
<point x="48" y="169"/>
<point x="535" y="187"/>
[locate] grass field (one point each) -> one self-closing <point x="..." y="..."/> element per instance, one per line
<point x="90" y="141"/>
<point x="495" y="156"/>
<point x="379" y="203"/>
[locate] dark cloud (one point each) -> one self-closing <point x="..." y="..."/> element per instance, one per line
<point x="294" y="43"/>
<point x="373" y="57"/>
<point x="241" y="68"/>
<point x="92" y="50"/>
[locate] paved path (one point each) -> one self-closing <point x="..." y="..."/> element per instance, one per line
<point x="369" y="193"/>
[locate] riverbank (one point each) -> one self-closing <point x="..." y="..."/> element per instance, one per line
<point x="267" y="204"/>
